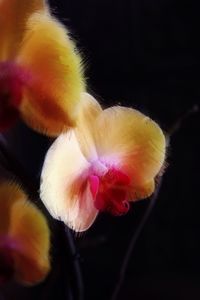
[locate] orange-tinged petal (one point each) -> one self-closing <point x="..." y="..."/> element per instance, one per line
<point x="64" y="189"/>
<point x="126" y="137"/>
<point x="24" y="236"/>
<point x="11" y="88"/>
<point x="143" y="191"/>
<point x="88" y="112"/>
<point x="10" y="193"/>
<point x="56" y="80"/>
<point x="13" y="17"/>
<point x="83" y="212"/>
<point x="29" y="229"/>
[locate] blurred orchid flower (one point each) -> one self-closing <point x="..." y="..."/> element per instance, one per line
<point x="24" y="238"/>
<point x="112" y="158"/>
<point x="41" y="74"/>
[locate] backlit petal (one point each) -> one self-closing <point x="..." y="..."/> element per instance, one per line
<point x="24" y="236"/>
<point x="10" y="193"/>
<point x="13" y="17"/>
<point x="143" y="191"/>
<point x="130" y="140"/>
<point x="64" y="189"/>
<point x="53" y="91"/>
<point x="29" y="229"/>
<point x="82" y="212"/>
<point x="88" y="112"/>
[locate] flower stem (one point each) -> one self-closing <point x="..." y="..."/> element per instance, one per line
<point x="133" y="241"/>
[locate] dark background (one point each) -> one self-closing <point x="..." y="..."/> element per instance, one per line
<point x="143" y="54"/>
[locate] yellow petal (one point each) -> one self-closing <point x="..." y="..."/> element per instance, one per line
<point x="131" y="140"/>
<point x="10" y="193"/>
<point x="64" y="189"/>
<point x="88" y="112"/>
<point x="53" y="92"/>
<point x="29" y="229"/>
<point x="142" y="192"/>
<point x="13" y="17"/>
<point x="24" y="225"/>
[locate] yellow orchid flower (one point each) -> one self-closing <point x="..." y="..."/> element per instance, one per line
<point x="41" y="75"/>
<point x="112" y="158"/>
<point x="24" y="237"/>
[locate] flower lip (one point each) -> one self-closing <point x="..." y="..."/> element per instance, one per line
<point x="109" y="188"/>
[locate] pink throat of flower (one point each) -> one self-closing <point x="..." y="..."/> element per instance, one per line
<point x="109" y="188"/>
<point x="11" y="84"/>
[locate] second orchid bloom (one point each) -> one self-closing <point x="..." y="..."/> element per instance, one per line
<point x="41" y="75"/>
<point x="109" y="160"/>
<point x="24" y="237"/>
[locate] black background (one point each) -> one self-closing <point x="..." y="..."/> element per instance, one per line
<point x="143" y="54"/>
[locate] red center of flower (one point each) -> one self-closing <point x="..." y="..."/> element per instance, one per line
<point x="11" y="82"/>
<point x="110" y="190"/>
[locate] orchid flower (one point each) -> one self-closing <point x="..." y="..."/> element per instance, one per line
<point x="24" y="238"/>
<point x="109" y="160"/>
<point x="41" y="74"/>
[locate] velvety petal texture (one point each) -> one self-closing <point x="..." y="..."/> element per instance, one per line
<point x="110" y="159"/>
<point x="49" y="79"/>
<point x="13" y="18"/>
<point x="64" y="188"/>
<point x="135" y="143"/>
<point x="89" y="109"/>
<point x="53" y="90"/>
<point x="24" y="237"/>
<point x="11" y="81"/>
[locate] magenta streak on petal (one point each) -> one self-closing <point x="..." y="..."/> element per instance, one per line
<point x="12" y="80"/>
<point x="94" y="185"/>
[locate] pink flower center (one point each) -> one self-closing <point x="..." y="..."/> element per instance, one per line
<point x="11" y="82"/>
<point x="109" y="187"/>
